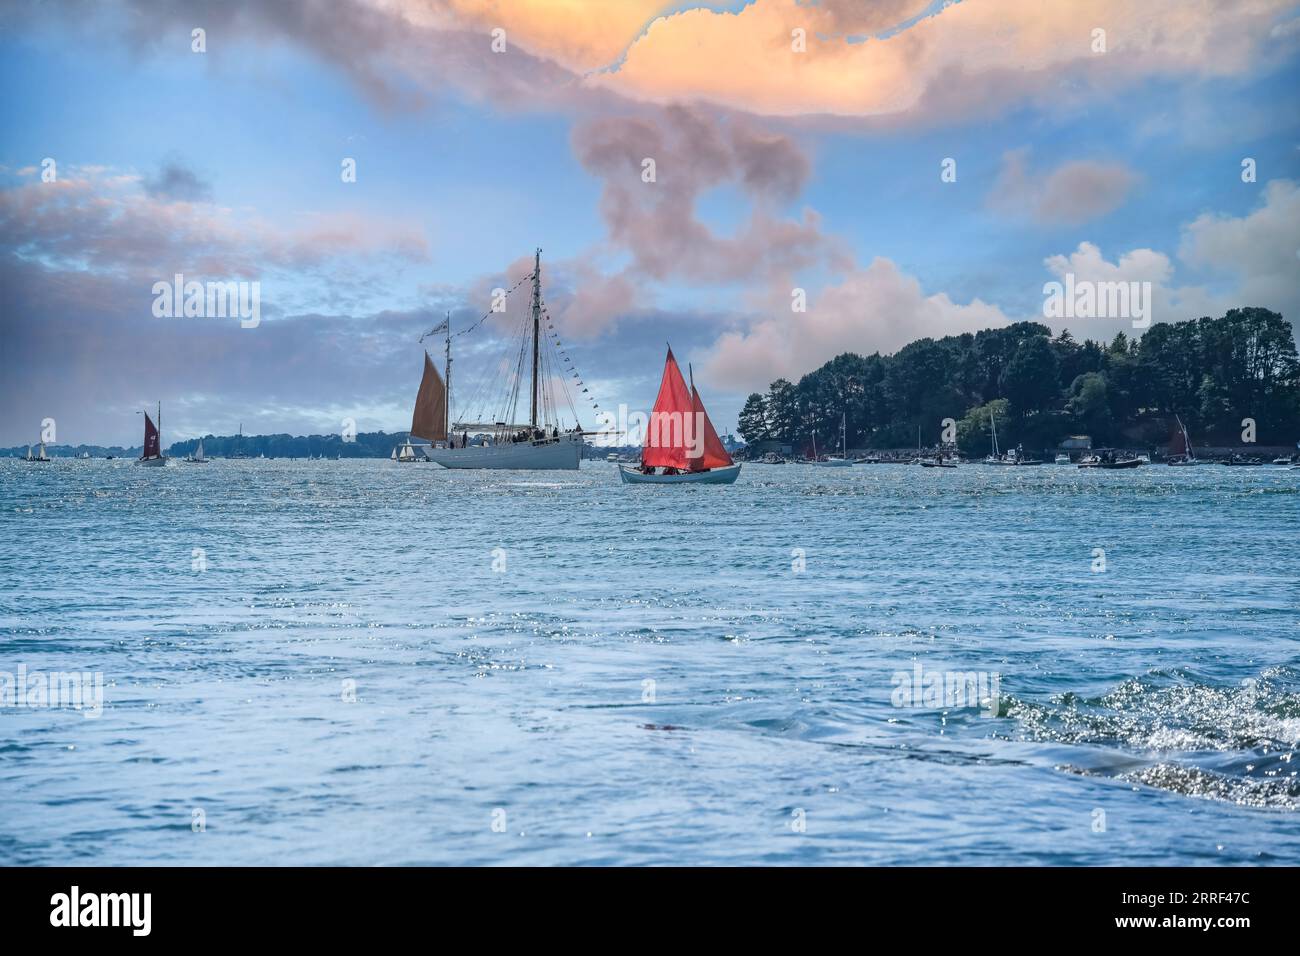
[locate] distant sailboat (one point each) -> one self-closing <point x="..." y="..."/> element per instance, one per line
<point x="197" y="457"/>
<point x="239" y="444"/>
<point x="666" y="445"/>
<point x="994" y="457"/>
<point x="407" y="452"/>
<point x="536" y="444"/>
<point x="1014" y="457"/>
<point x="840" y="460"/>
<point x="152" y="455"/>
<point x="1180" y="447"/>
<point x="40" y="455"/>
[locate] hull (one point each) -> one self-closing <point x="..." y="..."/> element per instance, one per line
<point x="834" y="463"/>
<point x="562" y="454"/>
<point x="152" y="462"/>
<point x="715" y="476"/>
<point x="1113" y="465"/>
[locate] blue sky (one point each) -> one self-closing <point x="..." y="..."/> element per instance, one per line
<point x="465" y="163"/>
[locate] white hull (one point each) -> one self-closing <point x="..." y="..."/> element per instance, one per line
<point x="152" y="462"/>
<point x="833" y="463"/>
<point x="548" y="454"/>
<point x="715" y="476"/>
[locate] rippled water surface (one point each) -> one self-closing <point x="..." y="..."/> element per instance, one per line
<point x="615" y="674"/>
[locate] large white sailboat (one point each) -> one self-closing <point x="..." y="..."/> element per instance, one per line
<point x="504" y="443"/>
<point x="197" y="458"/>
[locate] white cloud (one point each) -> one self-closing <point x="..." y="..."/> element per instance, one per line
<point x="878" y="308"/>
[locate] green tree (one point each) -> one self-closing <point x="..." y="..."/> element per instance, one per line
<point x="1030" y="378"/>
<point x="753" y="424"/>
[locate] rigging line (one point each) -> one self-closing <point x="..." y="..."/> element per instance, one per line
<point x="569" y="395"/>
<point x="441" y="327"/>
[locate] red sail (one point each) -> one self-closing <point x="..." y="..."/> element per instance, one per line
<point x="665" y="442"/>
<point x="151" y="449"/>
<point x="715" y="455"/>
<point x="1177" y="442"/>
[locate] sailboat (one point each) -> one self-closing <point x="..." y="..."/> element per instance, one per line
<point x="1015" y="456"/>
<point x="679" y="425"/>
<point x="239" y="444"/>
<point x="40" y="455"/>
<point x="1180" y="447"/>
<point x="994" y="458"/>
<point x="537" y="443"/>
<point x="835" y="461"/>
<point x="406" y="452"/>
<point x="152" y="455"/>
<point x="197" y="458"/>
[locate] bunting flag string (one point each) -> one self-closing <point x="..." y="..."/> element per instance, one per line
<point x="442" y="327"/>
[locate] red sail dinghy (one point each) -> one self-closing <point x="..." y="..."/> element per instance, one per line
<point x="681" y="445"/>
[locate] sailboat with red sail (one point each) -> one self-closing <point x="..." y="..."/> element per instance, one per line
<point x="681" y="445"/>
<point x="152" y="454"/>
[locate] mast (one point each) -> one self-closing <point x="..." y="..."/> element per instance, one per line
<point x="160" y="454"/>
<point x="447" y="383"/>
<point x="537" y="328"/>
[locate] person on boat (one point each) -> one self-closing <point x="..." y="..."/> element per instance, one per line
<point x="647" y="469"/>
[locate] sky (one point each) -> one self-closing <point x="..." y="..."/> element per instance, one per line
<point x="795" y="146"/>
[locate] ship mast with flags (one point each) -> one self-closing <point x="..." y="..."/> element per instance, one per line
<point x="497" y="439"/>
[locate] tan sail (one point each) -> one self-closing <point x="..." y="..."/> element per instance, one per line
<point x="430" y="419"/>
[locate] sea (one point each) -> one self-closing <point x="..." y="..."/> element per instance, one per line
<point x="363" y="662"/>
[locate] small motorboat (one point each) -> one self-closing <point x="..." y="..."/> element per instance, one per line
<point x="1111" y="461"/>
<point x="1241" y="461"/>
<point x="1061" y="459"/>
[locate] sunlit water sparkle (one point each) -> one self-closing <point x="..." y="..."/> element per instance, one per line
<point x="1164" y="692"/>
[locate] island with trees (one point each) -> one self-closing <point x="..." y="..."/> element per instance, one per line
<point x="1213" y="373"/>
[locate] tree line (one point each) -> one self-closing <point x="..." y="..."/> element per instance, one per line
<point x="1211" y="372"/>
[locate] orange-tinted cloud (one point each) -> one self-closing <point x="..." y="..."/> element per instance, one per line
<point x="978" y="52"/>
